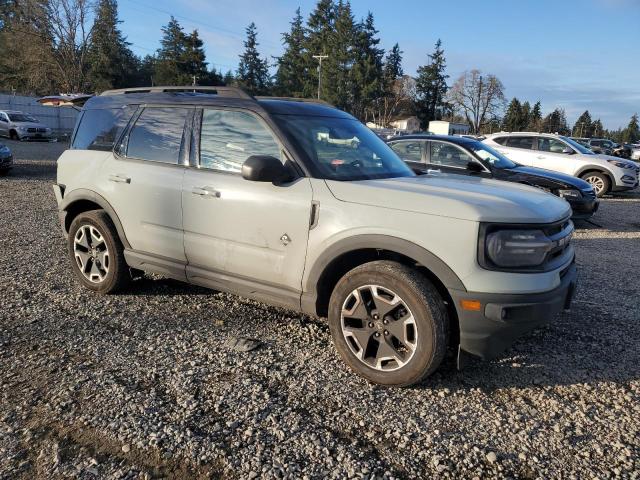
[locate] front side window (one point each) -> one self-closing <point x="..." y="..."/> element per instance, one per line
<point x="343" y="148"/>
<point x="408" y="151"/>
<point x="229" y="137"/>
<point x="448" y="155"/>
<point x="100" y="129"/>
<point x="22" y="117"/>
<point x="157" y="134"/>
<point x="526" y="143"/>
<point x="551" y="145"/>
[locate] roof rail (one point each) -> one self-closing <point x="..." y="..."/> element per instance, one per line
<point x="233" y="92"/>
<point x="295" y="99"/>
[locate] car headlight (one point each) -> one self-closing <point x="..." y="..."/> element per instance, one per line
<point x="4" y="149"/>
<point x="621" y="164"/>
<point x="517" y="248"/>
<point x="570" y="194"/>
<point x="21" y="129"/>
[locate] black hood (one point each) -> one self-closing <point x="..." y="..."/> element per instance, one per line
<point x="540" y="178"/>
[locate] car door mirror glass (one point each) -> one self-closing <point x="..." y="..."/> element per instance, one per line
<point x="568" y="151"/>
<point x="264" y="168"/>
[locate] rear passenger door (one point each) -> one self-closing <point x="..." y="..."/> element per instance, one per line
<point x="248" y="237"/>
<point x="519" y="149"/>
<point x="143" y="183"/>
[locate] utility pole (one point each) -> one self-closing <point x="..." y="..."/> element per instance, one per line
<point x="320" y="58"/>
<point x="194" y="81"/>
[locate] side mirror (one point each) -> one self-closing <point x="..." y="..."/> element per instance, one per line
<point x="264" y="168"/>
<point x="474" y="167"/>
<point x="568" y="151"/>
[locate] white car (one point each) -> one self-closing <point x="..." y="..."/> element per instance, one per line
<point x="555" y="152"/>
<point x="22" y="126"/>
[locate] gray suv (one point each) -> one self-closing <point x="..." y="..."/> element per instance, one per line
<point x="22" y="126"/>
<point x="298" y="204"/>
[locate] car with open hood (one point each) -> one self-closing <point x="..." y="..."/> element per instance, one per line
<point x="468" y="156"/>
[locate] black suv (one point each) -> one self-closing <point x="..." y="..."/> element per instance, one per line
<point x="466" y="156"/>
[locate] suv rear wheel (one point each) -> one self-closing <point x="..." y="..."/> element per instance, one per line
<point x="389" y="323"/>
<point x="598" y="181"/>
<point x="96" y="252"/>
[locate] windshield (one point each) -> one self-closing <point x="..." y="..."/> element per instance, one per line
<point x="580" y="148"/>
<point x="343" y="148"/>
<point x="21" y="117"/>
<point x="488" y="154"/>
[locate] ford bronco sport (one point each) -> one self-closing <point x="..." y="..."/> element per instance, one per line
<point x="298" y="204"/>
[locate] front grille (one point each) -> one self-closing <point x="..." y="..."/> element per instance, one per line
<point x="36" y="130"/>
<point x="560" y="234"/>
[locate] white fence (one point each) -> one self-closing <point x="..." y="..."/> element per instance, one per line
<point x="60" y="119"/>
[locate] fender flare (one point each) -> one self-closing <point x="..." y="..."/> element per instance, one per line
<point x="81" y="194"/>
<point x="597" y="168"/>
<point x="383" y="242"/>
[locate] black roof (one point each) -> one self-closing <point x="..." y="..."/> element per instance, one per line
<point x="212" y="96"/>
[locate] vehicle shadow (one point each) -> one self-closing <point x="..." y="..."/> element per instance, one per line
<point x="155" y="285"/>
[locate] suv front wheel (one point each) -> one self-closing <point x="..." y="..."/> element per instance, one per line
<point x="96" y="253"/>
<point x="598" y="181"/>
<point x="389" y="323"/>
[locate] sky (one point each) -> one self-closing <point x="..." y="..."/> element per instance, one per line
<point x="576" y="54"/>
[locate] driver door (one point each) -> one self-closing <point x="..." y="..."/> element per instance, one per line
<point x="552" y="154"/>
<point x="449" y="158"/>
<point x="246" y="233"/>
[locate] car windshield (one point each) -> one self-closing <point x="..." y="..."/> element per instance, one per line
<point x="488" y="154"/>
<point x="580" y="148"/>
<point x="21" y="117"/>
<point x="343" y="148"/>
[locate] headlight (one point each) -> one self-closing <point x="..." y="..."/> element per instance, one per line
<point x="22" y="129"/>
<point x="4" y="149"/>
<point x="518" y="248"/>
<point x="570" y="194"/>
<point x="620" y="164"/>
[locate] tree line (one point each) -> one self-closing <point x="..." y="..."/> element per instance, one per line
<point x="73" y="46"/>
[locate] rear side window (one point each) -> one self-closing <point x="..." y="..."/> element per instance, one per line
<point x="157" y="134"/>
<point x="408" y="151"/>
<point x="525" y="143"/>
<point x="100" y="129"/>
<point x="228" y="138"/>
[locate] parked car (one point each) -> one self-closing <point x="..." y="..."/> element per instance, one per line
<point x="635" y="152"/>
<point x="561" y="154"/>
<point x="467" y="156"/>
<point x="6" y="159"/>
<point x="22" y="126"/>
<point x="608" y="147"/>
<point x="221" y="189"/>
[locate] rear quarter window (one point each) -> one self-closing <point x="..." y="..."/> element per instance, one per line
<point x="100" y="129"/>
<point x="500" y="140"/>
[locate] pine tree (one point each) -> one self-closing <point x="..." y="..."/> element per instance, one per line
<point x="556" y="122"/>
<point x="320" y="30"/>
<point x="431" y="86"/>
<point x="525" y="115"/>
<point x="111" y="62"/>
<point x="535" y="118"/>
<point x="512" y="118"/>
<point x="169" y="68"/>
<point x="392" y="66"/>
<point x="337" y="82"/>
<point x="631" y="134"/>
<point x="583" y="126"/>
<point x="193" y="62"/>
<point x="598" y="129"/>
<point x="367" y="73"/>
<point x="291" y="73"/>
<point x="253" y="71"/>
<point x="229" y="79"/>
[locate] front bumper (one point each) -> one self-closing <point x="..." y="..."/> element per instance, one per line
<point x="6" y="162"/>
<point x="584" y="208"/>
<point x="503" y="318"/>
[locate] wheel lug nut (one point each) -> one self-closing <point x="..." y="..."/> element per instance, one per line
<point x="375" y="316"/>
<point x="377" y="334"/>
<point x="385" y="321"/>
<point x="386" y="332"/>
<point x="370" y="324"/>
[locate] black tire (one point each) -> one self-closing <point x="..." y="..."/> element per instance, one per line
<point x="5" y="172"/>
<point x="599" y="181"/>
<point x="117" y="276"/>
<point x="13" y="135"/>
<point x="425" y="306"/>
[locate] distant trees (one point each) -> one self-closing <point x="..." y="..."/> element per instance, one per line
<point x="253" y="71"/>
<point x="631" y="134"/>
<point x="556" y="122"/>
<point x="290" y="76"/>
<point x="431" y="87"/>
<point x="479" y="97"/>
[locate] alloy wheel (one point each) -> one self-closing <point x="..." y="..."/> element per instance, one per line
<point x="379" y="327"/>
<point x="596" y="182"/>
<point x="91" y="253"/>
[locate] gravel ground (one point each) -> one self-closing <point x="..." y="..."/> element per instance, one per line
<point x="146" y="385"/>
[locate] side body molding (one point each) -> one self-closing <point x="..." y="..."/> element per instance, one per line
<point x="377" y="242"/>
<point x="81" y="194"/>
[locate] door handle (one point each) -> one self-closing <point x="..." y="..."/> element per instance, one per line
<point x="431" y="170"/>
<point x="206" y="192"/>
<point x="119" y="179"/>
<point x="541" y="157"/>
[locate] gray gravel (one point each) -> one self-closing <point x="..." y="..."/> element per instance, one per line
<point x="148" y="384"/>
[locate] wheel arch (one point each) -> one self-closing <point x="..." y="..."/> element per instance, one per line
<point x="598" y="169"/>
<point x="347" y="254"/>
<point x="82" y="200"/>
